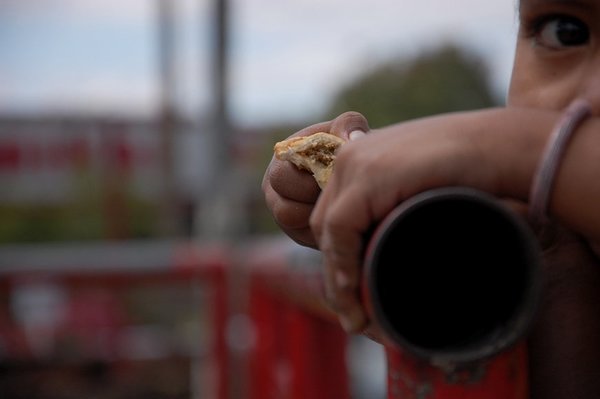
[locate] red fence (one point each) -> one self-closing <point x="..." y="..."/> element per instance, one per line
<point x="270" y="334"/>
<point x="113" y="320"/>
<point x="287" y="283"/>
<point x="300" y="352"/>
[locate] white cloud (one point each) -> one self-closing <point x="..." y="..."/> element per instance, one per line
<point x="299" y="51"/>
<point x="106" y="95"/>
<point x="129" y="10"/>
<point x="289" y="56"/>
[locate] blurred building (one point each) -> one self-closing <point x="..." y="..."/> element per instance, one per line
<point x="46" y="159"/>
<point x="56" y="160"/>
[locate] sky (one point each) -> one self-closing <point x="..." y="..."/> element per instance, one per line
<point x="288" y="57"/>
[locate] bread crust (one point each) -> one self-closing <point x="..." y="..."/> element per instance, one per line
<point x="314" y="153"/>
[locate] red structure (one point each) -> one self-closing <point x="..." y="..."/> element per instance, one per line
<point x="286" y="303"/>
<point x="502" y="377"/>
<point x="299" y="353"/>
<point x="271" y="335"/>
<point x="67" y="319"/>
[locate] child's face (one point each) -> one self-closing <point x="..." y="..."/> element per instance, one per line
<point x="558" y="53"/>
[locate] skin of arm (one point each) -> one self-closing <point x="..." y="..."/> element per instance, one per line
<point x="493" y="150"/>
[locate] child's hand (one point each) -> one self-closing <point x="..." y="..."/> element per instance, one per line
<point x="364" y="187"/>
<point x="376" y="173"/>
<point x="495" y="151"/>
<point x="291" y="193"/>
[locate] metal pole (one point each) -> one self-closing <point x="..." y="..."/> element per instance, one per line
<point x="220" y="214"/>
<point x="169" y="216"/>
<point x="220" y="77"/>
<point x="217" y="215"/>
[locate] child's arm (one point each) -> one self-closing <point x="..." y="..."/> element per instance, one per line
<point x="496" y="151"/>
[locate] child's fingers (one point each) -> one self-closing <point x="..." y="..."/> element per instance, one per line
<point x="349" y="125"/>
<point x="290" y="182"/>
<point x="290" y="215"/>
<point x="342" y="281"/>
<point x="340" y="241"/>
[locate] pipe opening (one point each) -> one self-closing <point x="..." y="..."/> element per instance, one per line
<point x="452" y="274"/>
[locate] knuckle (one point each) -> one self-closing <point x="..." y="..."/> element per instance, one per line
<point x="334" y="254"/>
<point x="351" y="155"/>
<point x="353" y="116"/>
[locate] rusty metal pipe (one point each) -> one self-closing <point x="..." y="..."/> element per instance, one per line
<point x="451" y="276"/>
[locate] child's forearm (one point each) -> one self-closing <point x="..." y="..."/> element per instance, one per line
<point x="575" y="196"/>
<point x="511" y="142"/>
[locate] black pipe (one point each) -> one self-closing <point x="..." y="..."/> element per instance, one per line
<point x="452" y="275"/>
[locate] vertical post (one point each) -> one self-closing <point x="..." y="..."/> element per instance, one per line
<point x="220" y="79"/>
<point x="167" y="124"/>
<point x="297" y="354"/>
<point x="220" y="320"/>
<point x="267" y="366"/>
<point x="316" y="352"/>
<point x="219" y="126"/>
<point x="216" y="217"/>
<point x="220" y="212"/>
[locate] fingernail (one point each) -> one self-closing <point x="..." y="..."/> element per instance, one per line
<point x="342" y="279"/>
<point x="356" y="134"/>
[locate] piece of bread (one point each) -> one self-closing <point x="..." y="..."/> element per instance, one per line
<point x="314" y="153"/>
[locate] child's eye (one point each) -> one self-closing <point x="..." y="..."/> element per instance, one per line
<point x="561" y="31"/>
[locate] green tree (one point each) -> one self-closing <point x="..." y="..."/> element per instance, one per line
<point x="444" y="80"/>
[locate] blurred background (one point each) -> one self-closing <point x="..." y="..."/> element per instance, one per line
<point x="133" y="139"/>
